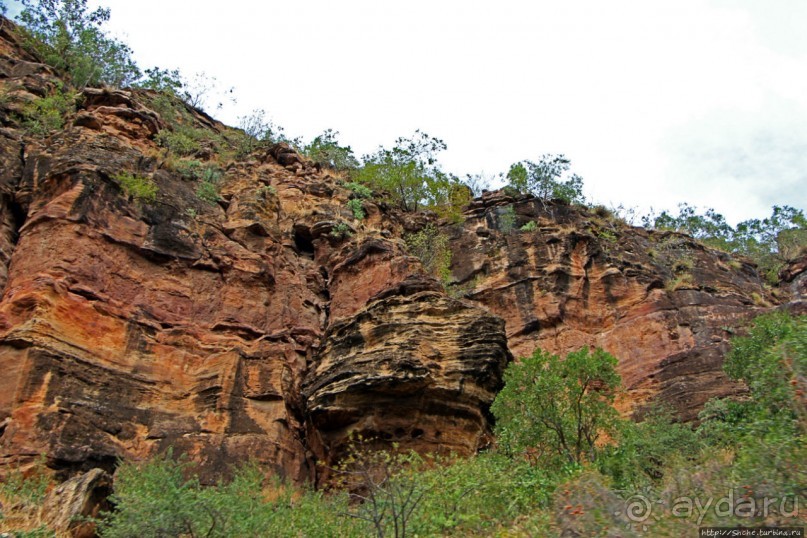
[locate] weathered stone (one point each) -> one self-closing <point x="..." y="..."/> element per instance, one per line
<point x="418" y="369"/>
<point x="663" y="304"/>
<point x="68" y="507"/>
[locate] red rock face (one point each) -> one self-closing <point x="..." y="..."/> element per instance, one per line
<point x="127" y="327"/>
<point x="663" y="304"/>
<point x="251" y="328"/>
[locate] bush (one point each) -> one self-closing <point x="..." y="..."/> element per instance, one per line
<point x="207" y="191"/>
<point x="342" y="230"/>
<point x="359" y="190"/>
<point x="181" y="140"/>
<point x="140" y="188"/>
<point x="772" y="362"/>
<point x="478" y="495"/>
<point x="531" y="226"/>
<point x="408" y="176"/>
<point x="326" y="151"/>
<point x="555" y="410"/>
<point x="45" y="115"/>
<point x="163" y="497"/>
<point x="357" y="207"/>
<point x="644" y="450"/>
<point x="769" y="242"/>
<point x="431" y="245"/>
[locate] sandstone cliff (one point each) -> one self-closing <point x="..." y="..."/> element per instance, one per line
<point x="272" y="324"/>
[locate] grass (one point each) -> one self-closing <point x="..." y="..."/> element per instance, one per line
<point x="140" y="188"/>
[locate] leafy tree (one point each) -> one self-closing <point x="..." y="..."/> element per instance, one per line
<point x="70" y="38"/>
<point x="545" y="179"/>
<point x="557" y="409"/>
<point x="161" y="80"/>
<point x="772" y="362"/>
<point x="411" y="177"/>
<point x="770" y="242"/>
<point x="326" y="151"/>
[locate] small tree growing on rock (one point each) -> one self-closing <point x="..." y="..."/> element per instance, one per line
<point x="558" y="409"/>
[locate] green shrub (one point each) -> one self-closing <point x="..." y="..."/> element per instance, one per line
<point x="181" y="140"/>
<point x="189" y="168"/>
<point x="558" y="409"/>
<point x="208" y="192"/>
<point x="409" y="177"/>
<point x="326" y="151"/>
<point x="341" y="231"/>
<point x="772" y="362"/>
<point x="266" y="190"/>
<point x="140" y="188"/>
<point x="361" y="191"/>
<point x="163" y="497"/>
<point x="28" y="491"/>
<point x="431" y="245"/>
<point x="531" y="226"/>
<point x="477" y="495"/>
<point x="357" y="207"/>
<point x="45" y="115"/>
<point x="643" y="450"/>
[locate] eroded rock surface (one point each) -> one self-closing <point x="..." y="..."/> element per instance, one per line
<point x="272" y="325"/>
<point x="662" y="303"/>
<point x="129" y="325"/>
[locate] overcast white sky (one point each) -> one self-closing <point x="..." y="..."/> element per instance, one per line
<point x="654" y="102"/>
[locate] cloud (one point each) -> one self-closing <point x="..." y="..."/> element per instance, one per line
<point x="742" y="161"/>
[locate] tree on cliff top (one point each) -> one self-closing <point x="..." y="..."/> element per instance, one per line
<point x="70" y="38"/>
<point x="544" y="179"/>
<point x="411" y="176"/>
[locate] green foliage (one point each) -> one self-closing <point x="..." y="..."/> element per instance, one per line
<point x="71" y="38"/>
<point x="208" y="191"/>
<point x="531" y="226"/>
<point x="477" y="495"/>
<point x="257" y="131"/>
<point x="410" y="177"/>
<point x="385" y="489"/>
<point x="140" y="188"/>
<point x="772" y="362"/>
<point x="341" y="231"/>
<point x="266" y="190"/>
<point x="768" y="430"/>
<point x="558" y="409"/>
<point x="326" y="151"/>
<point x="544" y="179"/>
<point x="357" y="207"/>
<point x="644" y="449"/>
<point x="163" y="497"/>
<point x="359" y="190"/>
<point x="769" y="242"/>
<point x="188" y="168"/>
<point x="45" y="115"/>
<point x="181" y="140"/>
<point x="28" y="491"/>
<point x="431" y="245"/>
<point x="161" y="80"/>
